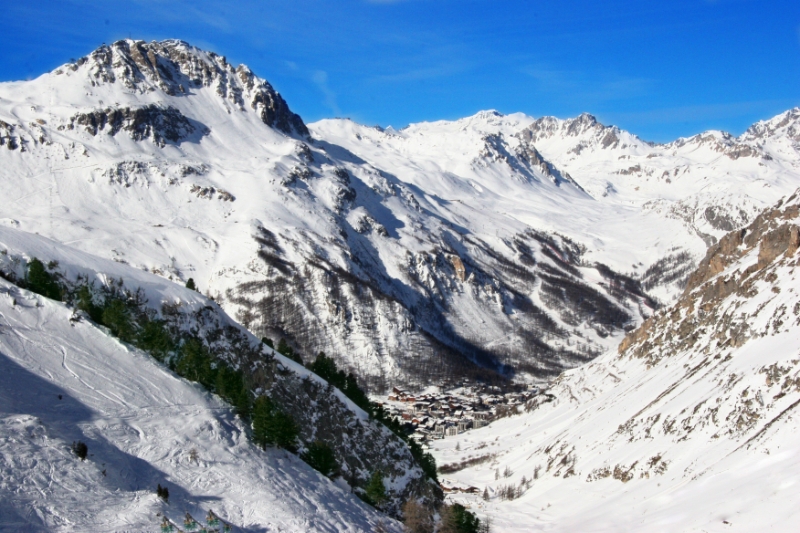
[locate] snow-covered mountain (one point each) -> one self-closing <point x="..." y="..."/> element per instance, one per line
<point x="63" y="379"/>
<point x="447" y="249"/>
<point x="690" y="426"/>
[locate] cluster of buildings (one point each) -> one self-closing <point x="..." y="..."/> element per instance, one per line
<point x="438" y="415"/>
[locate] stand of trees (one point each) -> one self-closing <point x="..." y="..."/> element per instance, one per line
<point x="273" y="427"/>
<point x="320" y="457"/>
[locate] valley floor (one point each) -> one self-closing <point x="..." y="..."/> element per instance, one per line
<point x="752" y="490"/>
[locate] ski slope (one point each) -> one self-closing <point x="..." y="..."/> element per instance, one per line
<point x="64" y="379"/>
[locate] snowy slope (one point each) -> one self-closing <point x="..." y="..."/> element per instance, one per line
<point x="63" y="381"/>
<point x="443" y="249"/>
<point x="642" y="201"/>
<point x="692" y="426"/>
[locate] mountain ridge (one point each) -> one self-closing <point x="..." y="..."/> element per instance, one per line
<point x="458" y="249"/>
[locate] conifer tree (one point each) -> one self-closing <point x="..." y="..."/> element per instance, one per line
<point x="271" y="426"/>
<point x="375" y="492"/>
<point x="320" y="457"/>
<point x="41" y="281"/>
<point x="288" y="351"/>
<point x="85" y="302"/>
<point x="116" y="316"/>
<point x="262" y="409"/>
<point x="80" y="449"/>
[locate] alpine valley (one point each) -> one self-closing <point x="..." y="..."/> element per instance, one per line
<point x="646" y="290"/>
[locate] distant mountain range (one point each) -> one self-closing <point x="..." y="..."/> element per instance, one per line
<point x="488" y="247"/>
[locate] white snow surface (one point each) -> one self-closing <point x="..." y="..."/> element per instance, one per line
<point x="63" y="380"/>
<point x="697" y="439"/>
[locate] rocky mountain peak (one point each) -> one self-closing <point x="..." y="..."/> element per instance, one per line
<point x="787" y="123"/>
<point x="176" y="68"/>
<point x="584" y="127"/>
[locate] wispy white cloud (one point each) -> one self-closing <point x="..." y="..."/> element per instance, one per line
<point x="320" y="78"/>
<point x="440" y="71"/>
<point x="578" y="84"/>
<point x="207" y="14"/>
<point x="702" y="112"/>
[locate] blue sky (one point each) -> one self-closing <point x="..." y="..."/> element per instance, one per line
<point x="660" y="69"/>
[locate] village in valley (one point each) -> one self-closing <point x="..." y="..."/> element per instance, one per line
<point x="436" y="414"/>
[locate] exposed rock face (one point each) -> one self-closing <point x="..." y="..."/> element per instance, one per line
<point x="773" y="231"/>
<point x="160" y="124"/>
<point x="772" y="238"/>
<point x="176" y="68"/>
<point x="458" y="265"/>
<point x="788" y="123"/>
<point x="721" y="219"/>
<point x="585" y="125"/>
<point x="721" y="142"/>
<point x="7" y="137"/>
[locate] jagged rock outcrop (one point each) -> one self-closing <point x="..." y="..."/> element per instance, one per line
<point x="585" y="125"/>
<point x="721" y="142"/>
<point x="786" y="124"/>
<point x="7" y="137"/>
<point x="161" y="124"/>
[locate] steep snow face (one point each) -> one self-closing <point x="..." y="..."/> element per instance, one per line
<point x="63" y="381"/>
<point x="691" y="426"/>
